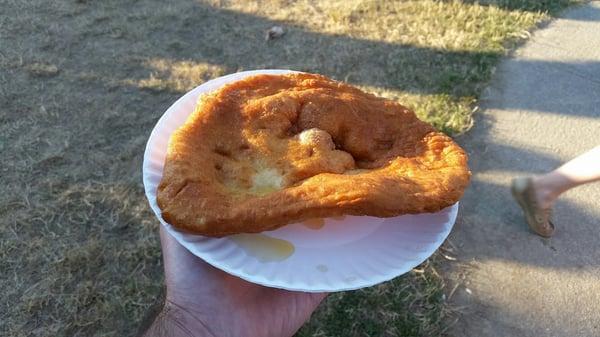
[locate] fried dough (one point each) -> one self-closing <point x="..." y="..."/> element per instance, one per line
<point x="270" y="150"/>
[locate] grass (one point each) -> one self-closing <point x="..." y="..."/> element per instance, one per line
<point x="412" y="305"/>
<point x="83" y="82"/>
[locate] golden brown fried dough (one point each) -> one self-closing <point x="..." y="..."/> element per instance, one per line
<point x="276" y="149"/>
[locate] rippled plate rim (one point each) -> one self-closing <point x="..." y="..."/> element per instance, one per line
<point x="152" y="171"/>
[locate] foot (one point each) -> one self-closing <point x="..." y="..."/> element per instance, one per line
<point x="537" y="211"/>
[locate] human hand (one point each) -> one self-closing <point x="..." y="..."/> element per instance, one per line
<point x="204" y="301"/>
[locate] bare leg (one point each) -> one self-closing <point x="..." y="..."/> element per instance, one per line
<point x="580" y="170"/>
<point x="536" y="195"/>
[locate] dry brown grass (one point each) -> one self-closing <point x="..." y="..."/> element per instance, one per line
<point x="83" y="82"/>
<point x="178" y="76"/>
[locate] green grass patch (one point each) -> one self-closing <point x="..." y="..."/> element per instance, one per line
<point x="411" y="305"/>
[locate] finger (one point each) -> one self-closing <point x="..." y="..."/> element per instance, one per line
<point x="319" y="297"/>
<point x="172" y="250"/>
<point x="178" y="261"/>
<point x="316" y="298"/>
<point x="305" y="299"/>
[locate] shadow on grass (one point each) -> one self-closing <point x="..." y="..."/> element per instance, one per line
<point x="232" y="41"/>
<point x="235" y="41"/>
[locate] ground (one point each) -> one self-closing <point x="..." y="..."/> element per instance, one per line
<point x="83" y="82"/>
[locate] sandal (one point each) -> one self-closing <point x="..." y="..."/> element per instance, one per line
<point x="538" y="219"/>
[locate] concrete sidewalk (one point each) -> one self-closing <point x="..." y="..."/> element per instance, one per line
<point x="542" y="109"/>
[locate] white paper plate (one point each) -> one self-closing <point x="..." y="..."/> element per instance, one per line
<point x="344" y="254"/>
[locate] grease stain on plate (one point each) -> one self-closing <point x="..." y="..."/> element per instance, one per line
<point x="322" y="268"/>
<point x="264" y="248"/>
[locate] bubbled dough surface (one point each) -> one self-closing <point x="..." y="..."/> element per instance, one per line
<point x="275" y="149"/>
